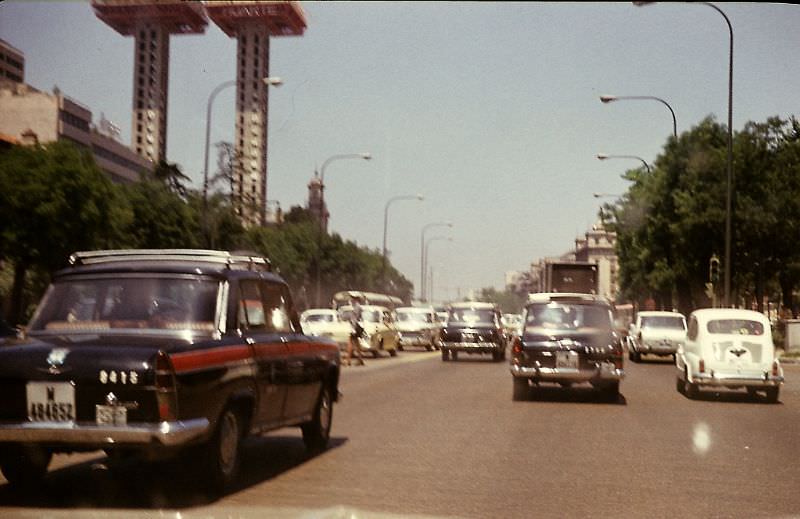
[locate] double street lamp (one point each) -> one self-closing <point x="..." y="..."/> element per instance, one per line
<point x="609" y="99"/>
<point x="269" y="81"/>
<point x="385" y="227"/>
<point x="422" y="261"/>
<point x="604" y="156"/>
<point x="727" y="267"/>
<point x="363" y="156"/>
<point x="427" y="243"/>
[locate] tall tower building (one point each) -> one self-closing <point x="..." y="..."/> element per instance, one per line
<point x="252" y="23"/>
<point x="316" y="205"/>
<point x="151" y="22"/>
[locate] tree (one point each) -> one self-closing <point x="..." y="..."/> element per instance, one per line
<point x="54" y="200"/>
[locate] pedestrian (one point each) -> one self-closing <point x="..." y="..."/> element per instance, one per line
<point x="356" y="334"/>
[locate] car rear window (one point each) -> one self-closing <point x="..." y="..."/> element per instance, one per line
<point x="567" y="316"/>
<point x="663" y="321"/>
<point x="735" y="327"/>
<point x="135" y="302"/>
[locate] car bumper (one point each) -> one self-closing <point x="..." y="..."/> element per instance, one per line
<point x="415" y="341"/>
<point x="166" y="434"/>
<point x="657" y="349"/>
<point x="472" y="347"/>
<point x="602" y="372"/>
<point x="736" y="380"/>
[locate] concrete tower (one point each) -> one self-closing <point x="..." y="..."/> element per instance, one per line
<point x="151" y="22"/>
<point x="252" y="23"/>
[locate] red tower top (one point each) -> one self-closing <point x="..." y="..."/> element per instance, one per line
<point x="179" y="16"/>
<point x="281" y="18"/>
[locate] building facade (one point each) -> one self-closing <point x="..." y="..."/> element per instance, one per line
<point x="12" y="63"/>
<point x="32" y="116"/>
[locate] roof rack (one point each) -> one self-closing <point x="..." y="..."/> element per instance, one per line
<point x="247" y="261"/>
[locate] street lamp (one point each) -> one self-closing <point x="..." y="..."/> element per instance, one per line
<point x="603" y="156"/>
<point x="609" y="99"/>
<point x="422" y="255"/>
<point x="271" y="80"/>
<point x="427" y="243"/>
<point x="363" y="156"/>
<point x="729" y="191"/>
<point x="385" y="227"/>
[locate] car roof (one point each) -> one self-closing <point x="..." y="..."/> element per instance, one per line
<point x="419" y="309"/>
<point x="546" y="297"/>
<point x="709" y="314"/>
<point x="473" y="304"/>
<point x="648" y="313"/>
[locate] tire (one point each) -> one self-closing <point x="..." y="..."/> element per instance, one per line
<point x="611" y="391"/>
<point x="445" y="355"/>
<point x="637" y="356"/>
<point x="222" y="453"/>
<point x="679" y="387"/>
<point x="690" y="389"/>
<point x="772" y="394"/>
<point x="454" y="355"/>
<point x="393" y="353"/>
<point x="317" y="432"/>
<point x="25" y="465"/>
<point x="521" y="389"/>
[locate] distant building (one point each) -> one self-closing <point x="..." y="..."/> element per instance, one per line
<point x="598" y="246"/>
<point x="12" y="63"/>
<point x="31" y="116"/>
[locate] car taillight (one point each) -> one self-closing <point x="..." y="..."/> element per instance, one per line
<point x="166" y="395"/>
<point x="517" y="348"/>
<point x="702" y="366"/>
<point x="775" y="368"/>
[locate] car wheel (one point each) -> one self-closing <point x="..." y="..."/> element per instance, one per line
<point x="400" y="347"/>
<point x="454" y="355"/>
<point x="317" y="432"/>
<point x="429" y="347"/>
<point x="25" y="465"/>
<point x="772" y="394"/>
<point x="222" y="453"/>
<point x="445" y="355"/>
<point x="521" y="389"/>
<point x="393" y="352"/>
<point x="690" y="389"/>
<point x="611" y="391"/>
<point x="637" y="356"/>
<point x="679" y="387"/>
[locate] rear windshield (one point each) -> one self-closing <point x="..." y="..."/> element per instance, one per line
<point x="567" y="316"/>
<point x="135" y="302"/>
<point x="470" y="316"/>
<point x="414" y="317"/>
<point x="319" y="318"/>
<point x="735" y="327"/>
<point x="663" y="321"/>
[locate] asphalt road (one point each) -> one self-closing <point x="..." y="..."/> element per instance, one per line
<point x="414" y="435"/>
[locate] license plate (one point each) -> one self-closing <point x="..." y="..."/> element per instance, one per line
<point x="51" y="401"/>
<point x="566" y="360"/>
<point x="111" y="414"/>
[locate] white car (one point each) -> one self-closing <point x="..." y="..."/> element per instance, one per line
<point x="418" y="326"/>
<point x="657" y="333"/>
<point x="325" y="322"/>
<point x="728" y="348"/>
<point x="379" y="328"/>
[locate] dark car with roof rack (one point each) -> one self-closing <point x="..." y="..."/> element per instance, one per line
<point x="162" y="353"/>
<point x="567" y="338"/>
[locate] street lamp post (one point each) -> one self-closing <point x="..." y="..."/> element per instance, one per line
<point x="729" y="191"/>
<point x="385" y="227"/>
<point x="422" y="255"/>
<point x="364" y="156"/>
<point x="604" y="156"/>
<point x="273" y="81"/>
<point x="427" y="243"/>
<point x="609" y="99"/>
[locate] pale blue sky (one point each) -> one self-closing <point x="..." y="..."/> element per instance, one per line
<point x="490" y="110"/>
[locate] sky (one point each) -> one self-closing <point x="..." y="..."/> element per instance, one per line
<point x="490" y="110"/>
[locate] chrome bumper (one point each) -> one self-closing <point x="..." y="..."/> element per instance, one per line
<point x="474" y="347"/>
<point x="81" y="433"/>
<point x="604" y="371"/>
<point x="658" y="349"/>
<point x="736" y="380"/>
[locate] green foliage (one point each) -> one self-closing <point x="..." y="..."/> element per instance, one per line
<point x="672" y="219"/>
<point x="508" y="301"/>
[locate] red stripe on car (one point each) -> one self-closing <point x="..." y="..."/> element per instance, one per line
<point x="192" y="360"/>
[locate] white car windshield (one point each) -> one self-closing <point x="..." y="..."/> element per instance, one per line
<point x="470" y="316"/>
<point x="414" y="317"/>
<point x="735" y="327"/>
<point x="567" y="316"/>
<point x="319" y="318"/>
